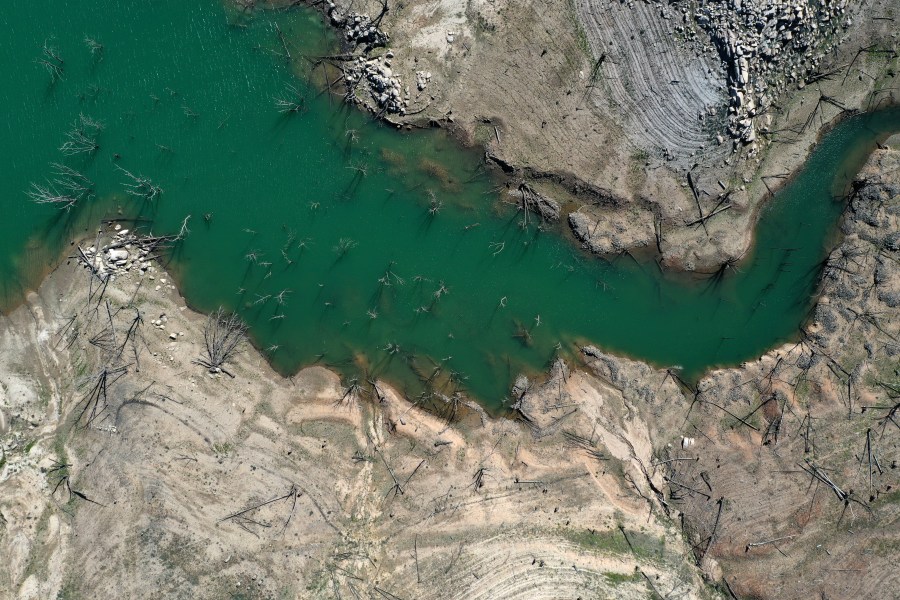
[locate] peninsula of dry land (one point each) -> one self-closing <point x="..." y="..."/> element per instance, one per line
<point x="642" y="119"/>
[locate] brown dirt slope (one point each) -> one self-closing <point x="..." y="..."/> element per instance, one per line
<point x="803" y="444"/>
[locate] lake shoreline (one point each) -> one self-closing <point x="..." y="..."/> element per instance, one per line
<point x="748" y="179"/>
<point x="475" y="404"/>
<point x="531" y="362"/>
<point x="259" y="430"/>
<point x="67" y="256"/>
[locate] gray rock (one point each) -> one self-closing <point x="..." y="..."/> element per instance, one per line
<point x="891" y="241"/>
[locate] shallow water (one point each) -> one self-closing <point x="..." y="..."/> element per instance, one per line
<point x="337" y="210"/>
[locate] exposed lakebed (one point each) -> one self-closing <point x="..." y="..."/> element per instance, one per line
<point x="348" y="243"/>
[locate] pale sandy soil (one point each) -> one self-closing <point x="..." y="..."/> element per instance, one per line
<point x="374" y="494"/>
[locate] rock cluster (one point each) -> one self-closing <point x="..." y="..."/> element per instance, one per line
<point x="120" y="252"/>
<point x="381" y="88"/>
<point x="766" y="45"/>
<point x="119" y="255"/>
<point x="422" y="79"/>
<point x="358" y="28"/>
<point x="382" y="85"/>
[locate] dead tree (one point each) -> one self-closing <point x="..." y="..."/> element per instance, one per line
<point x="344" y="246"/>
<point x="72" y="181"/>
<point x="61" y="471"/>
<point x="435" y="205"/>
<point x="105" y="339"/>
<point x="384" y="10"/>
<point x="248" y="517"/>
<point x="352" y="394"/>
<point x="69" y="332"/>
<point x="82" y="137"/>
<point x="141" y="187"/>
<point x="95" y="400"/>
<point x="183" y="231"/>
<point x="101" y="278"/>
<point x="283" y="40"/>
<point x="449" y="409"/>
<point x="399" y="488"/>
<point x="531" y="200"/>
<point x="67" y="188"/>
<point x="52" y="62"/>
<point x="889" y="416"/>
<point x="871" y="458"/>
<point x="589" y="445"/>
<point x="131" y="335"/>
<point x="818" y="473"/>
<point x="47" y="194"/>
<point x="94" y="46"/>
<point x="292" y="102"/>
<point x="222" y="335"/>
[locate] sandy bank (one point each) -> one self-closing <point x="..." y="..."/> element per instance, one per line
<point x="175" y="482"/>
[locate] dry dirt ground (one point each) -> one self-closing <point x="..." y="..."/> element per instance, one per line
<point x="774" y="480"/>
<point x="803" y="445"/>
<point x="614" y="480"/>
<point x="789" y="485"/>
<point x="171" y="482"/>
<point x="607" y="105"/>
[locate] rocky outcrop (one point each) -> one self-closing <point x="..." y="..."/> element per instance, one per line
<point x="382" y="87"/>
<point x="677" y="67"/>
<point x="116" y="251"/>
<point x="766" y="46"/>
<point x="370" y="80"/>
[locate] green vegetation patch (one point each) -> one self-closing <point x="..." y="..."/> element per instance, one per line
<point x="620" y="578"/>
<point x="618" y="541"/>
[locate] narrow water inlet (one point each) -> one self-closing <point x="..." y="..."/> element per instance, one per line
<point x="347" y="243"/>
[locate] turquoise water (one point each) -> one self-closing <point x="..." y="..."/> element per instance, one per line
<point x="371" y="233"/>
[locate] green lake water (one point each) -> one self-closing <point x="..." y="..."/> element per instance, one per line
<point x="336" y="210"/>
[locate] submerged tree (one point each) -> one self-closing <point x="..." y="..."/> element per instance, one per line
<point x="82" y="137"/>
<point x="47" y="194"/>
<point x="141" y="187"/>
<point x="292" y="102"/>
<point x="94" y="46"/>
<point x="344" y="245"/>
<point x="65" y="190"/>
<point x="435" y="206"/>
<point x="51" y="61"/>
<point x="222" y="335"/>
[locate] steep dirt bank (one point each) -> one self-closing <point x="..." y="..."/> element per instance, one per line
<point x="628" y="98"/>
<point x="802" y="445"/>
<point x="790" y="485"/>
